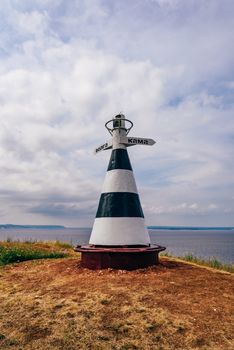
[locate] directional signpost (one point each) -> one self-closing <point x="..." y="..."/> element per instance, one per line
<point x="126" y="141"/>
<point x="119" y="238"/>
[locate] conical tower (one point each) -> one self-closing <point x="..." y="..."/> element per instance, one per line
<point x="119" y="238"/>
<point x="119" y="220"/>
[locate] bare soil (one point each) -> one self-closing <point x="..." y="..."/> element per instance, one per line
<point x="56" y="304"/>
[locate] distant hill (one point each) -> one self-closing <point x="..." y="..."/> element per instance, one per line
<point x="58" y="227"/>
<point x="46" y="227"/>
<point x="187" y="228"/>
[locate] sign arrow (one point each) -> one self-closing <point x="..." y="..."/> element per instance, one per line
<point x="132" y="141"/>
<point x="103" y="147"/>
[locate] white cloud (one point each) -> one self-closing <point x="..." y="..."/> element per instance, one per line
<point x="65" y="72"/>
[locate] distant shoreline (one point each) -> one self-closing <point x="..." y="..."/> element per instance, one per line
<point x="48" y="227"/>
<point x="188" y="228"/>
<point x="60" y="227"/>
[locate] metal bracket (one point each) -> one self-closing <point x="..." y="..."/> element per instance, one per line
<point x="111" y="129"/>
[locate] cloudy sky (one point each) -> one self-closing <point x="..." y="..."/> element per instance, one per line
<point x="66" y="67"/>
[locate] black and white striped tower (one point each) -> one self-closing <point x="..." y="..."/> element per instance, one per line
<point x="119" y="219"/>
<point x="119" y="238"/>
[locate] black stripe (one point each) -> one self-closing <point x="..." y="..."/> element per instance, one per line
<point x="119" y="204"/>
<point x="119" y="160"/>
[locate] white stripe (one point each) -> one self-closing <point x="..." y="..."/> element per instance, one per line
<point x="118" y="146"/>
<point x="119" y="231"/>
<point x="119" y="180"/>
<point x="117" y="134"/>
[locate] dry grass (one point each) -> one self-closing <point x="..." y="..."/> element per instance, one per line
<point x="56" y="304"/>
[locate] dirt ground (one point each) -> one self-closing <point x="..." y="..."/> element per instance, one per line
<point x="56" y="304"/>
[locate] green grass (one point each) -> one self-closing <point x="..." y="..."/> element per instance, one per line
<point x="56" y="243"/>
<point x="12" y="252"/>
<point x="63" y="245"/>
<point x="212" y="262"/>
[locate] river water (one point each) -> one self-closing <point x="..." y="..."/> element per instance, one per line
<point x="202" y="243"/>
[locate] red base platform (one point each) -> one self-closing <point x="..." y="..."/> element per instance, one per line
<point x="123" y="258"/>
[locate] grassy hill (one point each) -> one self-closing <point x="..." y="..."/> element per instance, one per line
<point x="55" y="304"/>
